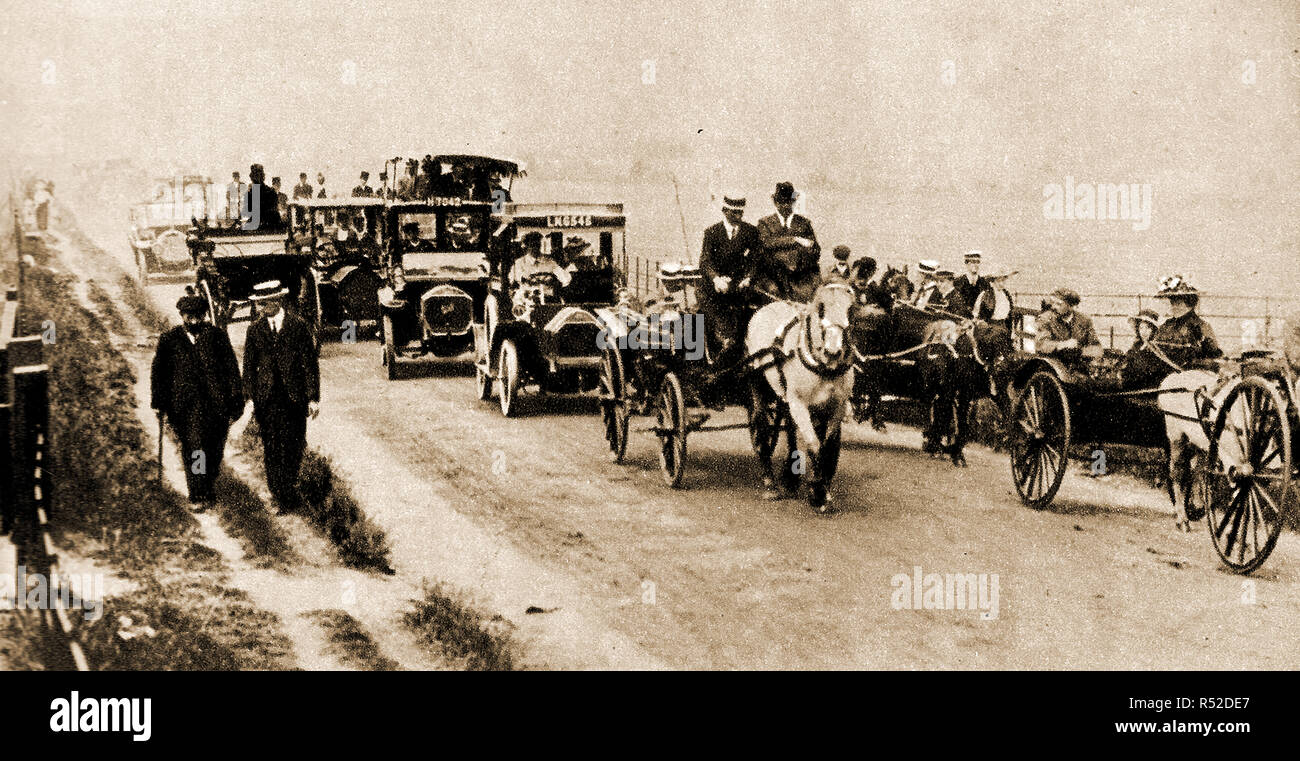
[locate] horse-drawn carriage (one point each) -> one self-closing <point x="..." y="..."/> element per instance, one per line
<point x="1237" y="422"/>
<point x="230" y="261"/>
<point x="343" y="237"/>
<point x="657" y="364"/>
<point x="540" y="327"/>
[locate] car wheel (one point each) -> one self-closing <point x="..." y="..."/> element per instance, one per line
<point x="508" y="374"/>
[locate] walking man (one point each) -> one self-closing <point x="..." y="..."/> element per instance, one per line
<point x="282" y="377"/>
<point x="196" y="387"/>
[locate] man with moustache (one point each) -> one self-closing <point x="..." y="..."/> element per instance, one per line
<point x="195" y="385"/>
<point x="790" y="248"/>
<point x="728" y="256"/>
<point x="282" y="377"/>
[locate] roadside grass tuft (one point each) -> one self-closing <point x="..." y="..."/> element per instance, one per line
<point x="350" y="642"/>
<point x="330" y="507"/>
<point x="461" y="632"/>
<point x="141" y="306"/>
<point x="177" y="627"/>
<point x="244" y="516"/>
<point x="107" y="308"/>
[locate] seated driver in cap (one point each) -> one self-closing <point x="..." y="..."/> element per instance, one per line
<point x="1065" y="332"/>
<point x="840" y="269"/>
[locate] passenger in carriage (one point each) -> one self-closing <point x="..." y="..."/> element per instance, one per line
<point x="1064" y="332"/>
<point x="839" y="271"/>
<point x="408" y="186"/>
<point x="261" y="202"/>
<point x="973" y="286"/>
<point x="945" y="297"/>
<point x="730" y="255"/>
<point x="790" y="248"/>
<point x="1185" y="336"/>
<point x="1140" y="367"/>
<point x="925" y="285"/>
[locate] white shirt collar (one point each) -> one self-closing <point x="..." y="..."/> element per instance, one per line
<point x="730" y="228"/>
<point x="277" y="321"/>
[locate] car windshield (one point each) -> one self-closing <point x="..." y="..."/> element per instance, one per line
<point x="443" y="230"/>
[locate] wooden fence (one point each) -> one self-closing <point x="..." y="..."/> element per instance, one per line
<point x="26" y="479"/>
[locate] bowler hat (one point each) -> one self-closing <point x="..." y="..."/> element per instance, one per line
<point x="841" y="253"/>
<point x="191" y="304"/>
<point x="785" y="193"/>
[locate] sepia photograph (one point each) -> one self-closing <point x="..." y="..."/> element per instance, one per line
<point x="864" y="335"/>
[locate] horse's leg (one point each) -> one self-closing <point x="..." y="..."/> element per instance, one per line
<point x="961" y="409"/>
<point x="810" y="447"/>
<point x="762" y="434"/>
<point x="1178" y="467"/>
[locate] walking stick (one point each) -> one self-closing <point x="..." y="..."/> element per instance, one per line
<point x="160" y="448"/>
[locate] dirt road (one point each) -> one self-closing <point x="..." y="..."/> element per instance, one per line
<point x="529" y="512"/>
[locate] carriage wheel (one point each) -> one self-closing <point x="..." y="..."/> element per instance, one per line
<point x="613" y="403"/>
<point x="508" y="374"/>
<point x="1039" y="439"/>
<point x="1249" y="473"/>
<point x="215" y="313"/>
<point x="390" y="348"/>
<point x="670" y="411"/>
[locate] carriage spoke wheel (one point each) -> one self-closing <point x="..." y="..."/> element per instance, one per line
<point x="1249" y="474"/>
<point x="613" y="403"/>
<point x="670" y="427"/>
<point x="1039" y="439"/>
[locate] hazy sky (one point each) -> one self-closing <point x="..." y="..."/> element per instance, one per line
<point x="1038" y="88"/>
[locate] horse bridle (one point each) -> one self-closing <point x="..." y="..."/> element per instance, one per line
<point x="821" y="366"/>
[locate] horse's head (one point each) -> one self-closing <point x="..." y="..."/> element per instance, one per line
<point x="828" y="323"/>
<point x="898" y="284"/>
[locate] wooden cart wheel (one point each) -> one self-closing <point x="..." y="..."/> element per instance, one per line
<point x="1250" y="475"/>
<point x="508" y="375"/>
<point x="390" y="348"/>
<point x="670" y="426"/>
<point x="613" y="402"/>
<point x="1039" y="439"/>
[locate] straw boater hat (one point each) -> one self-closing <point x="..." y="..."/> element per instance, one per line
<point x="733" y="201"/>
<point x="927" y="266"/>
<point x="944" y="274"/>
<point x="270" y="289"/>
<point x="1149" y="316"/>
<point x="972" y="256"/>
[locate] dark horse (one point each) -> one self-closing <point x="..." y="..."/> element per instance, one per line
<point x="942" y="361"/>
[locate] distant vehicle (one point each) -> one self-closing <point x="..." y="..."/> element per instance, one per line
<point x="543" y="328"/>
<point x="343" y="237"/>
<point x="159" y="226"/>
<point x="470" y="177"/>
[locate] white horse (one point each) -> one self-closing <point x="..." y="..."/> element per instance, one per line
<point x="812" y="376"/>
<point x="1186" y="399"/>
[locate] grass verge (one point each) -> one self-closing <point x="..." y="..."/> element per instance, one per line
<point x="330" y="507"/>
<point x="462" y="633"/>
<point x="350" y="642"/>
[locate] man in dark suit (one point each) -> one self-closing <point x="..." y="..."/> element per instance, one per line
<point x="946" y="298"/>
<point x="972" y="285"/>
<point x="790" y="248"/>
<point x="303" y="188"/>
<point x="195" y="385"/>
<point x="261" y="203"/>
<point x="730" y="252"/>
<point x="282" y="377"/>
<point x="363" y="189"/>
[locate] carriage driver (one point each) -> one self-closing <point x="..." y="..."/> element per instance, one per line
<point x="1065" y="332"/>
<point x="1184" y="336"/>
